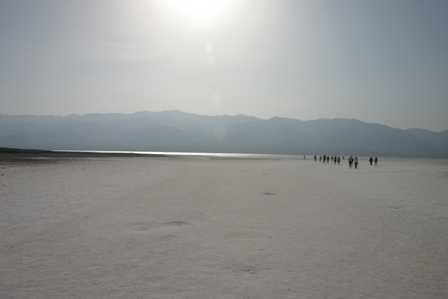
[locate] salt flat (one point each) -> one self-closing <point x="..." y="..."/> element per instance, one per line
<point x="222" y="228"/>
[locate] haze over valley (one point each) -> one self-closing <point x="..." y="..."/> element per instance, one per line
<point x="178" y="131"/>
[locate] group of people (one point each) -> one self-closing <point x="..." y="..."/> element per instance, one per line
<point x="352" y="160"/>
<point x="327" y="159"/>
<point x="373" y="160"/>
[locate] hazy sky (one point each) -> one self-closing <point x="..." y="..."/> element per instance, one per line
<point x="380" y="60"/>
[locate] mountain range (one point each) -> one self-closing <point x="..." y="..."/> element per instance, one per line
<point x="186" y="132"/>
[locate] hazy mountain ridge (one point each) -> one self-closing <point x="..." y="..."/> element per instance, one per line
<point x="179" y="131"/>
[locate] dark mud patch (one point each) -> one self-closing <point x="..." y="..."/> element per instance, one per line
<point x="396" y="207"/>
<point x="269" y="193"/>
<point x="176" y="223"/>
<point x="249" y="269"/>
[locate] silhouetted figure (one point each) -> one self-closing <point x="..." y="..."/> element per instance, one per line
<point x="350" y="161"/>
<point x="315" y="158"/>
<point x="339" y="160"/>
<point x="371" y="161"/>
<point x="356" y="162"/>
<point x="376" y="160"/>
<point x="320" y="158"/>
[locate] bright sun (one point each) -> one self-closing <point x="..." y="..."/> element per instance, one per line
<point x="201" y="12"/>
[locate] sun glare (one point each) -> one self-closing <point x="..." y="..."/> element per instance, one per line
<point x="201" y="12"/>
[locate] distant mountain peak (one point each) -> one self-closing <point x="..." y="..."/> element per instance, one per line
<point x="175" y="130"/>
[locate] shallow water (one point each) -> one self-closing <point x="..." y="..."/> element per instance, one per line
<point x="193" y="154"/>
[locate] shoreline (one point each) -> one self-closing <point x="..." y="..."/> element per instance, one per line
<point x="6" y="152"/>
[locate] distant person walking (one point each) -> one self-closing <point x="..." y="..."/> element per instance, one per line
<point x="371" y="161"/>
<point x="356" y="162"/>
<point x="350" y="161"/>
<point x="376" y="160"/>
